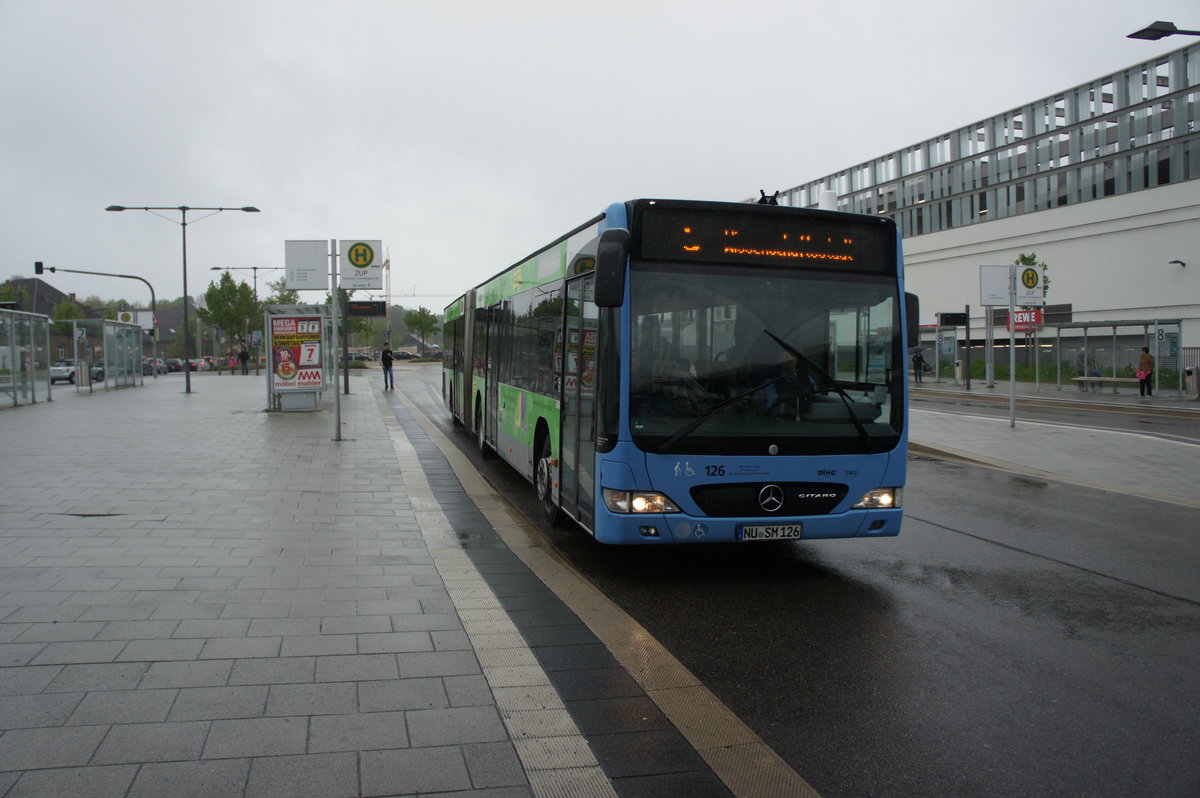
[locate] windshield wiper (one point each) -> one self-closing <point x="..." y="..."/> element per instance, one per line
<point x="691" y="426"/>
<point x="796" y="353"/>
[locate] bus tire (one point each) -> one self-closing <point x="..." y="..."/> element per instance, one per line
<point x="543" y="480"/>
<point x="480" y="440"/>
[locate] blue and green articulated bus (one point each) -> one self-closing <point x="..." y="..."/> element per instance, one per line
<point x="694" y="372"/>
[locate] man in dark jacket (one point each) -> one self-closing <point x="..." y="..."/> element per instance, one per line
<point x="389" y="381"/>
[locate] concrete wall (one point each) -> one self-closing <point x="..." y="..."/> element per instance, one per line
<point x="1108" y="258"/>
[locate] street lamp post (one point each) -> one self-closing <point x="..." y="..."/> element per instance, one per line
<point x="255" y="270"/>
<point x="1160" y="30"/>
<point x="183" y="223"/>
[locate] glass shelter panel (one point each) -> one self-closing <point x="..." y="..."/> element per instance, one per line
<point x="24" y="357"/>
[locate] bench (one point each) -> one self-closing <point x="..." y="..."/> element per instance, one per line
<point x="1096" y="382"/>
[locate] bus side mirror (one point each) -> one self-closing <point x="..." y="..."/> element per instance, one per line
<point x="611" y="255"/>
<point x="912" y="319"/>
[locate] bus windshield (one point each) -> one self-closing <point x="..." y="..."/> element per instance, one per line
<point x="763" y="360"/>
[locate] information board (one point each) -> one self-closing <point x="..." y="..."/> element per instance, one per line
<point x="306" y="265"/>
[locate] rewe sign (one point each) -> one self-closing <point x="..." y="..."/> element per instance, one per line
<point x="1024" y="320"/>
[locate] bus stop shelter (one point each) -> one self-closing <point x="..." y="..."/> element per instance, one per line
<point x="24" y="357"/>
<point x="1107" y="348"/>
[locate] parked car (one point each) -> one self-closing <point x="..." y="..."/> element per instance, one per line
<point x="198" y="364"/>
<point x="64" y="370"/>
<point x="98" y="371"/>
<point x="160" y="366"/>
<point x="174" y="364"/>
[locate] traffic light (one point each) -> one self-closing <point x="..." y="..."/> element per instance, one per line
<point x="37" y="268"/>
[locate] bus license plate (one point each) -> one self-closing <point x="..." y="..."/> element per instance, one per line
<point x="770" y="532"/>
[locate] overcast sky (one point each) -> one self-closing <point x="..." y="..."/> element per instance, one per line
<point x="465" y="135"/>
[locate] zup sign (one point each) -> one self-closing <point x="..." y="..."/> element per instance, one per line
<point x="362" y="264"/>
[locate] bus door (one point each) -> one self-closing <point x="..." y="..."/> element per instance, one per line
<point x="578" y="445"/>
<point x="485" y="367"/>
<point x="493" y="375"/>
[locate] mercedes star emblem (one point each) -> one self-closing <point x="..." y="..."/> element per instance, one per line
<point x="770" y="498"/>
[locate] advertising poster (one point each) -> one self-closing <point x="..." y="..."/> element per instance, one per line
<point x="296" y="354"/>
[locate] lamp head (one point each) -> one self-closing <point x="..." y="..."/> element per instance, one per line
<point x="1154" y="31"/>
<point x="115" y="208"/>
<point x="251" y="209"/>
<point x="1178" y="263"/>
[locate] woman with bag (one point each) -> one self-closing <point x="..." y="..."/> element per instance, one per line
<point x="1145" y="371"/>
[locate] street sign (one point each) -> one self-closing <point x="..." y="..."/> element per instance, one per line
<point x="306" y="265"/>
<point x="1025" y="320"/>
<point x="1030" y="288"/>
<point x="993" y="285"/>
<point x="946" y="343"/>
<point x="362" y="264"/>
<point x="952" y="319"/>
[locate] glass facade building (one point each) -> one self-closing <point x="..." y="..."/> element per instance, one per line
<point x="1129" y="131"/>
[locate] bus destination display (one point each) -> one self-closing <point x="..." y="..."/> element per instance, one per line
<point x="834" y="243"/>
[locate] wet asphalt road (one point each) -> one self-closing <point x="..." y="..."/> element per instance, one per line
<point x="1019" y="637"/>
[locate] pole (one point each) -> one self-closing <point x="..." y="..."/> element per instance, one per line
<point x="187" y="333"/>
<point x="334" y="301"/>
<point x="346" y="344"/>
<point x="1012" y="350"/>
<point x="1157" y="331"/>
<point x="967" y="373"/>
<point x="258" y="311"/>
<point x="183" y="209"/>
<point x="989" y="353"/>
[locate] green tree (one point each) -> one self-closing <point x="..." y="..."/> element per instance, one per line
<point x="399" y="329"/>
<point x="281" y="294"/>
<point x="422" y="322"/>
<point x="228" y="306"/>
<point x="63" y="312"/>
<point x="11" y="292"/>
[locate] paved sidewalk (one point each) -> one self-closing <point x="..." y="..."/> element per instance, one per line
<point x="1123" y="462"/>
<point x="201" y="598"/>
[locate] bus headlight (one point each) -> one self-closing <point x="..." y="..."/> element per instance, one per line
<point x="880" y="499"/>
<point x="636" y="501"/>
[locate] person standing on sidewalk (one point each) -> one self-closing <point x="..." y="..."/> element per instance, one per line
<point x="389" y="380"/>
<point x="244" y="359"/>
<point x="918" y="363"/>
<point x="1145" y="372"/>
